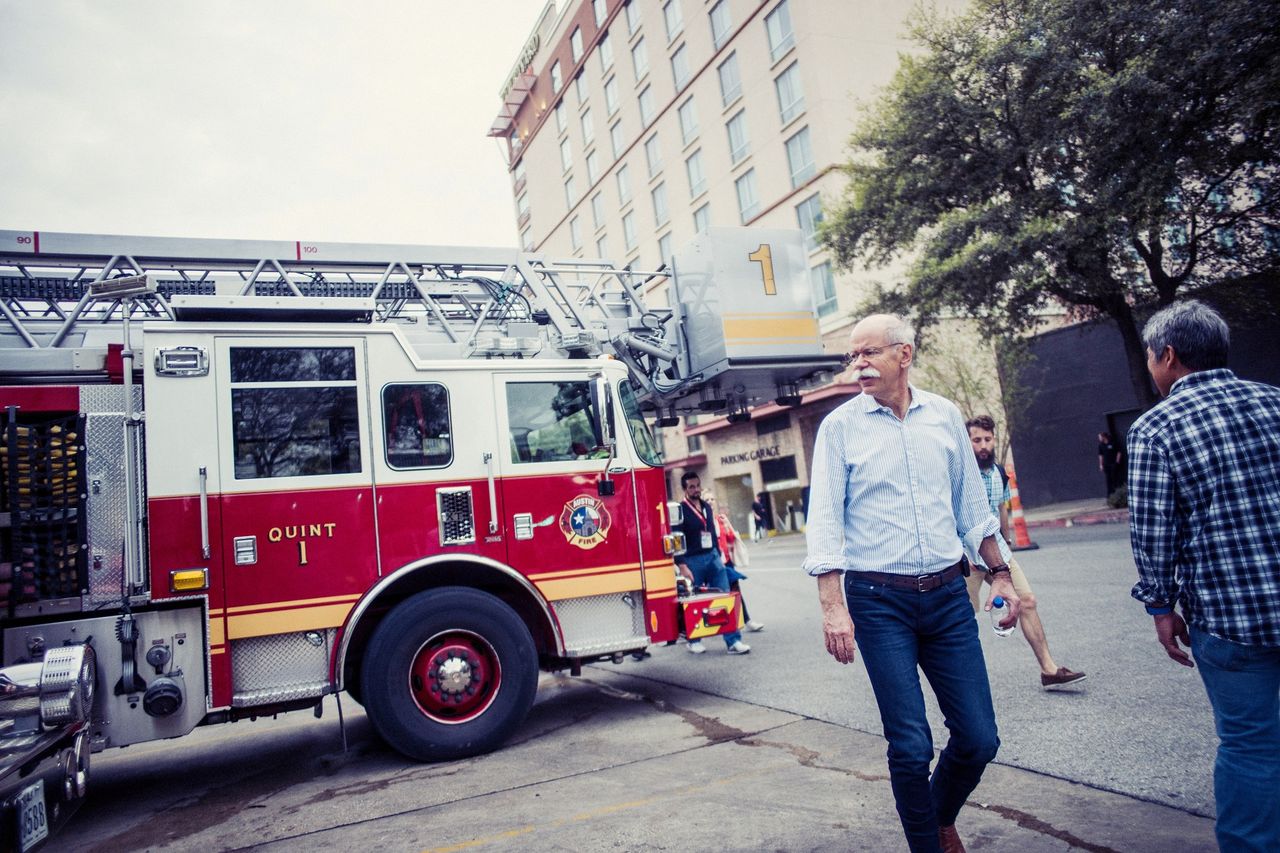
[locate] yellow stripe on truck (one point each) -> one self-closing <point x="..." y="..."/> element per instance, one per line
<point x="286" y="621"/>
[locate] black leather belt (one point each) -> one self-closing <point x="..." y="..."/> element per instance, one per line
<point x="919" y="583"/>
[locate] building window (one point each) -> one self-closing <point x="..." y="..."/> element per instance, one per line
<point x="673" y="19"/>
<point x="697" y="180"/>
<point x="602" y="246"/>
<point x="623" y="177"/>
<point x="780" y="422"/>
<point x="661" y="215"/>
<point x="556" y="81"/>
<point x="575" y="43"/>
<point x="640" y="59"/>
<point x="522" y="205"/>
<point x="653" y="155"/>
<point x="809" y="216"/>
<point x="688" y="122"/>
<point x="800" y="158"/>
<point x="598" y="7"/>
<point x="605" y="51"/>
<point x="748" y="199"/>
<point x="611" y="95"/>
<point x="702" y="218"/>
<point x="680" y="67"/>
<point x="588" y="128"/>
<point x="580" y="91"/>
<point x="562" y="117"/>
<point x="778" y="26"/>
<point x="721" y="23"/>
<point x="616" y="140"/>
<point x="694" y="443"/>
<point x="629" y="230"/>
<point x="566" y="155"/>
<point x="633" y="17"/>
<point x="790" y="93"/>
<point x="646" y="106"/>
<point x="593" y="167"/>
<point x="517" y="174"/>
<point x="739" y="145"/>
<point x="597" y="210"/>
<point x="526" y="239"/>
<point x="570" y="196"/>
<point x="575" y="233"/>
<point x="824" y="288"/>
<point x="730" y="80"/>
<point x="664" y="248"/>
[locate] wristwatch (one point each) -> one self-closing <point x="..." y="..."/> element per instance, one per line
<point x="1002" y="568"/>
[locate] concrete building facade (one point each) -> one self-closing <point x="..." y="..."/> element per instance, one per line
<point x="632" y="126"/>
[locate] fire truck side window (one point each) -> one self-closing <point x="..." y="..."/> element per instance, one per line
<point x="305" y="422"/>
<point x="551" y="422"/>
<point x="416" y="421"/>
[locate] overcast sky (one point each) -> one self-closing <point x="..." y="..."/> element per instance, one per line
<point x="352" y="121"/>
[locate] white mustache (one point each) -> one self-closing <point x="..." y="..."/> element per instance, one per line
<point x="868" y="373"/>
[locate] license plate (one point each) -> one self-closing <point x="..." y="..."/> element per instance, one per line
<point x="33" y="824"/>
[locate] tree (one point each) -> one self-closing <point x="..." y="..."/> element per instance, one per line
<point x="1109" y="157"/>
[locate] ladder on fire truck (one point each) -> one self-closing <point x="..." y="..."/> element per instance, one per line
<point x="58" y="301"/>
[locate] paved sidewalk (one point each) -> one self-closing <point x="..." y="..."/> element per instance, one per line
<point x="1071" y="513"/>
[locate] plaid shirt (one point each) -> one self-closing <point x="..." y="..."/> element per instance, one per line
<point x="1204" y="504"/>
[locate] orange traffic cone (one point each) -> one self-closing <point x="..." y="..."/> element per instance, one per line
<point x="1021" y="540"/>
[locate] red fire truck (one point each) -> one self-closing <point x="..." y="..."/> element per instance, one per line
<point x="240" y="476"/>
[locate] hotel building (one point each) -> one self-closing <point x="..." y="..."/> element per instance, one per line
<point x="631" y="126"/>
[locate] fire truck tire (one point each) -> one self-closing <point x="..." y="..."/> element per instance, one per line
<point x="450" y="672"/>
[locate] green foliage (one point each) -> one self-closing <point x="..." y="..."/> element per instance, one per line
<point x="1104" y="156"/>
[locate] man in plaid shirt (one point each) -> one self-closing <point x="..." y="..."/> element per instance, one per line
<point x="1204" y="503"/>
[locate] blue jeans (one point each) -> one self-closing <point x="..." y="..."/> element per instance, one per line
<point x="898" y="630"/>
<point x="1243" y="683"/>
<point x="708" y="570"/>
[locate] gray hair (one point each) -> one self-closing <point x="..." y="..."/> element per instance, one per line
<point x="1198" y="334"/>
<point x="901" y="332"/>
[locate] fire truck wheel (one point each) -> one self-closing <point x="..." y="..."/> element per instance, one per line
<point x="449" y="673"/>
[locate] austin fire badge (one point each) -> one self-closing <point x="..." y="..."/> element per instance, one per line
<point x="584" y="521"/>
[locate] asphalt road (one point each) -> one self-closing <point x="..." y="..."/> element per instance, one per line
<point x="776" y="750"/>
<point x="1140" y="724"/>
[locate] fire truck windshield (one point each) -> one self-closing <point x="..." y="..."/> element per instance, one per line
<point x="641" y="437"/>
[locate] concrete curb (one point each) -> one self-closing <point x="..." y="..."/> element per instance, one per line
<point x="1110" y="516"/>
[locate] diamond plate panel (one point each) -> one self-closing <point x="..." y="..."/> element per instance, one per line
<point x="280" y="668"/>
<point x="103" y="406"/>
<point x="597" y="624"/>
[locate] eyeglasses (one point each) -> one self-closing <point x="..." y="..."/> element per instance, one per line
<point x="868" y="353"/>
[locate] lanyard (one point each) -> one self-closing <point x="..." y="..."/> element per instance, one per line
<point x="706" y="522"/>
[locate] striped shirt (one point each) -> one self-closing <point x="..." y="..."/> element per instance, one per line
<point x="1204" y="505"/>
<point x="894" y="496"/>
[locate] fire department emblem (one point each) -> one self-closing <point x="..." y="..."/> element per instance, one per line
<point x="584" y="521"/>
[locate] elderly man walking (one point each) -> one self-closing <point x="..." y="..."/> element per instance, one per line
<point x="895" y="490"/>
<point x="1204" y="504"/>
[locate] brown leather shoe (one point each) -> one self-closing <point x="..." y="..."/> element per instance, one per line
<point x="1062" y="678"/>
<point x="950" y="839"/>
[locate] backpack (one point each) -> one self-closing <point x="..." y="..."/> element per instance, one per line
<point x="1004" y="478"/>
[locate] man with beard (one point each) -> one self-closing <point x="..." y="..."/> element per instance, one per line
<point x="982" y="435"/>
<point x="894" y="495"/>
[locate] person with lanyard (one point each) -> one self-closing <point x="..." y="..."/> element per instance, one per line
<point x="895" y="492"/>
<point x="700" y="564"/>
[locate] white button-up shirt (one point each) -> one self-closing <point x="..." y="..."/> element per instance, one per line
<point x="895" y="496"/>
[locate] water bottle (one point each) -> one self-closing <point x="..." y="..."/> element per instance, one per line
<point x="1000" y="612"/>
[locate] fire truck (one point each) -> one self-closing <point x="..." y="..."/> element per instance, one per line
<point x="238" y="476"/>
